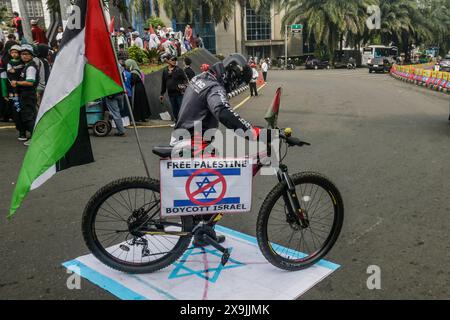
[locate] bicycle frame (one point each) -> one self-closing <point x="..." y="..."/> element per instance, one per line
<point x="294" y="214"/>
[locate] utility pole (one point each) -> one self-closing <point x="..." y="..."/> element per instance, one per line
<point x="285" y="45"/>
<point x="26" y="26"/>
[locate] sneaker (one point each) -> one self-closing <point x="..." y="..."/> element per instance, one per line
<point x="119" y="134"/>
<point x="22" y="138"/>
<point x="27" y="143"/>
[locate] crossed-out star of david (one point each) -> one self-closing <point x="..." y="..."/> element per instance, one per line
<point x="206" y="181"/>
<point x="214" y="268"/>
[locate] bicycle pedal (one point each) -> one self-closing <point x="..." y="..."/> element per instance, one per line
<point x="225" y="257"/>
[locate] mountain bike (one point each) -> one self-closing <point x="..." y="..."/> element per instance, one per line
<point x="297" y="224"/>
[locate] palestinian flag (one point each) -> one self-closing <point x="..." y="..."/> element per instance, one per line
<point x="85" y="70"/>
<point x="272" y="113"/>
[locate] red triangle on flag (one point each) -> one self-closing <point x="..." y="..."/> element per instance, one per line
<point x="99" y="51"/>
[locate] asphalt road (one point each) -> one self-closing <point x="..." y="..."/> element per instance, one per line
<point x="384" y="143"/>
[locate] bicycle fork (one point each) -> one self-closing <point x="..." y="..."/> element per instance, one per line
<point x="294" y="213"/>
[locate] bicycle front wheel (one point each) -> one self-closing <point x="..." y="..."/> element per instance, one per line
<point x="287" y="245"/>
<point x="123" y="229"/>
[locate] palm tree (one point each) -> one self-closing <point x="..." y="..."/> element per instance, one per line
<point x="403" y="23"/>
<point x="328" y="22"/>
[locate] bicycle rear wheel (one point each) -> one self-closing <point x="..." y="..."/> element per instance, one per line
<point x="123" y="229"/>
<point x="283" y="242"/>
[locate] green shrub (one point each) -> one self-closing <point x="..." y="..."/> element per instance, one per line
<point x="137" y="54"/>
<point x="155" y="22"/>
<point x="152" y="55"/>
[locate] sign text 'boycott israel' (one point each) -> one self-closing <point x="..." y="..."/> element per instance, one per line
<point x="205" y="186"/>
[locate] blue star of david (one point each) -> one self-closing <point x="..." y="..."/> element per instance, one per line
<point x="211" y="274"/>
<point x="206" y="193"/>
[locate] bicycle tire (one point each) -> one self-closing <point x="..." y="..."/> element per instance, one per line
<point x="90" y="237"/>
<point x="275" y="194"/>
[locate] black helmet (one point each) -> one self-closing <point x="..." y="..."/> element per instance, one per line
<point x="232" y="72"/>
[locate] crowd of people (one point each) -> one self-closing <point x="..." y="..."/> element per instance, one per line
<point x="164" y="39"/>
<point x="25" y="69"/>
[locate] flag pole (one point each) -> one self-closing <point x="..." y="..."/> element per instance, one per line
<point x="130" y="110"/>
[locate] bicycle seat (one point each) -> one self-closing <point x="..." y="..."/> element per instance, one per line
<point x="163" y="151"/>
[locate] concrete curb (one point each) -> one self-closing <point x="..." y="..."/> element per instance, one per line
<point x="431" y="86"/>
<point x="238" y="91"/>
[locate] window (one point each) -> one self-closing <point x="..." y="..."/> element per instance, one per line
<point x="258" y="24"/>
<point x="206" y="30"/>
<point x="35" y="9"/>
<point x="6" y="4"/>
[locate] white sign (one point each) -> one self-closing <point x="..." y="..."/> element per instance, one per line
<point x="205" y="186"/>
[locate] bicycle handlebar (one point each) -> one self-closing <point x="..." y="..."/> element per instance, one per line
<point x="292" y="141"/>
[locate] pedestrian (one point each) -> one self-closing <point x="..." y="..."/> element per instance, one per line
<point x="136" y="40"/>
<point x="5" y="110"/>
<point x="264" y="68"/>
<point x="37" y="33"/>
<point x="14" y="66"/>
<point x="146" y="37"/>
<point x="17" y="24"/>
<point x="187" y="68"/>
<point x="60" y="33"/>
<point x="121" y="38"/>
<point x="113" y="103"/>
<point x="252" y="84"/>
<point x="122" y="54"/>
<point x="174" y="82"/>
<point x="9" y="43"/>
<point x="2" y="37"/>
<point x="160" y="32"/>
<point x="139" y="102"/>
<point x="26" y="111"/>
<point x="154" y="42"/>
<point x="42" y="52"/>
<point x="199" y="42"/>
<point x="189" y="36"/>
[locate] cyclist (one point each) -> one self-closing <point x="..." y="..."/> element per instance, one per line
<point x="206" y="101"/>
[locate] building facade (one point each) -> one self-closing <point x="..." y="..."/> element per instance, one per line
<point x="257" y="34"/>
<point x="36" y="9"/>
<point x="248" y="32"/>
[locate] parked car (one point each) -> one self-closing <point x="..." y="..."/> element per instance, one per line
<point x="315" y="63"/>
<point x="381" y="64"/>
<point x="444" y="65"/>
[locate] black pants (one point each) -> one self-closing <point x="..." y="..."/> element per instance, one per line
<point x="6" y="111"/>
<point x="253" y="90"/>
<point x="26" y="117"/>
<point x="264" y="76"/>
<point x="176" y="102"/>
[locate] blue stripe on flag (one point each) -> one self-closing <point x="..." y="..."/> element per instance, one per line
<point x="190" y="172"/>
<point x="189" y="203"/>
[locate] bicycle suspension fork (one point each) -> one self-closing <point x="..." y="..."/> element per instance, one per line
<point x="295" y="213"/>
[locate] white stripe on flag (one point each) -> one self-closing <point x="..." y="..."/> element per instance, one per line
<point x="43" y="177"/>
<point x="67" y="74"/>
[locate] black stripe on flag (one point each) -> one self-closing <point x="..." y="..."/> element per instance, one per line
<point x="75" y="22"/>
<point x="81" y="151"/>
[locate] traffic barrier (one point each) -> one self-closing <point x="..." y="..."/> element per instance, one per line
<point x="423" y="75"/>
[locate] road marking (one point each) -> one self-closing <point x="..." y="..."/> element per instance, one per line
<point x="248" y="98"/>
<point x="7" y="127"/>
<point x="362" y="234"/>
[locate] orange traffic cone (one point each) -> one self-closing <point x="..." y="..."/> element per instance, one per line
<point x="260" y="81"/>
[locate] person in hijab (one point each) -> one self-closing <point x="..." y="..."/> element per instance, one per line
<point x="139" y="102"/>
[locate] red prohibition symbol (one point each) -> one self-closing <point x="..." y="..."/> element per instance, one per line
<point x="192" y="194"/>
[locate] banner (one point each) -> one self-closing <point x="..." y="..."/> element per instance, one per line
<point x="205" y="186"/>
